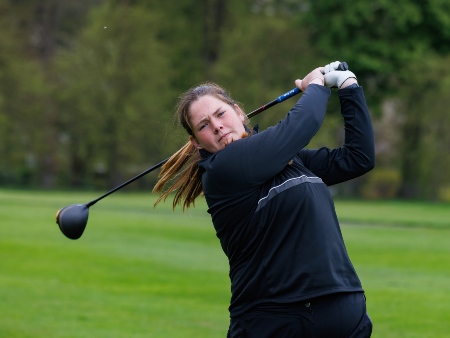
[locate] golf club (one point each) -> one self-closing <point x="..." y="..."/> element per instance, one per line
<point x="72" y="219"/>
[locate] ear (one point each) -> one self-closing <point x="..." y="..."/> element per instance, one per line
<point x="194" y="142"/>
<point x="240" y="112"/>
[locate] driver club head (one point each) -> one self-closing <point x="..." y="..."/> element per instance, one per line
<point x="72" y="220"/>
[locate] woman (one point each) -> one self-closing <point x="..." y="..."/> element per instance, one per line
<point x="272" y="211"/>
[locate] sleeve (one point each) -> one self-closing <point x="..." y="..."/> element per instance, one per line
<point x="357" y="155"/>
<point x="254" y="160"/>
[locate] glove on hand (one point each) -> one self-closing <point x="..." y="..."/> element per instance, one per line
<point x="331" y="67"/>
<point x="335" y="78"/>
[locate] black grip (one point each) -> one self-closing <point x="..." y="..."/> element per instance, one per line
<point x="342" y="66"/>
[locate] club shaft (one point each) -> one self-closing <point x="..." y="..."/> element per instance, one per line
<point x="279" y="99"/>
<point x="342" y="66"/>
<point x="156" y="166"/>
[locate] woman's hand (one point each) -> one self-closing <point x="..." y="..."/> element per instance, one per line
<point x="316" y="76"/>
<point x="335" y="78"/>
<point x="340" y="79"/>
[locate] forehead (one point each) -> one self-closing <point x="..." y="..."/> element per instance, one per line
<point x="205" y="105"/>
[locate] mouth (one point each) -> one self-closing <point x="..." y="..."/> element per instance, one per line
<point x="224" y="137"/>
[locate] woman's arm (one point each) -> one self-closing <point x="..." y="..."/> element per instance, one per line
<point x="357" y="155"/>
<point x="254" y="160"/>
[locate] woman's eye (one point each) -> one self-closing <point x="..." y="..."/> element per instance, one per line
<point x="203" y="126"/>
<point x="221" y="113"/>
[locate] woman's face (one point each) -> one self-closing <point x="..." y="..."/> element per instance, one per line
<point x="214" y="123"/>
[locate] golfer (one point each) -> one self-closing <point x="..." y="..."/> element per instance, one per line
<point x="267" y="194"/>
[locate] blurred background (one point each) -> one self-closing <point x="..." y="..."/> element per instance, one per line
<point x="88" y="87"/>
<point x="87" y="96"/>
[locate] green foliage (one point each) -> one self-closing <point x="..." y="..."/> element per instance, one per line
<point x="379" y="37"/>
<point x="397" y="50"/>
<point x="24" y="120"/>
<point x="114" y="93"/>
<point x="88" y="87"/>
<point x="269" y="74"/>
<point x="382" y="183"/>
<point x="444" y="194"/>
<point x="423" y="154"/>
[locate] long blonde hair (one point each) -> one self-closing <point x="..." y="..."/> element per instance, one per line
<point x="181" y="174"/>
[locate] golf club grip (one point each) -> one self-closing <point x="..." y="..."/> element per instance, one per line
<point x="342" y="66"/>
<point x="288" y="95"/>
<point x="279" y="99"/>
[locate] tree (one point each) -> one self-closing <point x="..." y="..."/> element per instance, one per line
<point x="424" y="158"/>
<point x="113" y="80"/>
<point x="34" y="31"/>
<point x="394" y="48"/>
<point x="22" y="93"/>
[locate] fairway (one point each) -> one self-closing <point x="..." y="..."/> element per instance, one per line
<point x="144" y="272"/>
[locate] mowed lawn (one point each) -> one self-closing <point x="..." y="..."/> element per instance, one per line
<point x="144" y="272"/>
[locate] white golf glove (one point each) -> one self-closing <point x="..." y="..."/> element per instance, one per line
<point x="331" y="67"/>
<point x="335" y="78"/>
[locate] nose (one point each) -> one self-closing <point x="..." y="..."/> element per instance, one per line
<point x="216" y="126"/>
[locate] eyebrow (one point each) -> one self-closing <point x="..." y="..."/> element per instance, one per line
<point x="206" y="118"/>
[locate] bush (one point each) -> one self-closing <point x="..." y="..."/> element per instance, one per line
<point x="381" y="183"/>
<point x="444" y="194"/>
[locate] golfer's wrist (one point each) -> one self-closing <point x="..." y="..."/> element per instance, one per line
<point x="317" y="80"/>
<point x="348" y="82"/>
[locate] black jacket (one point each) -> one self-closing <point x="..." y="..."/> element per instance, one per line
<point x="276" y="221"/>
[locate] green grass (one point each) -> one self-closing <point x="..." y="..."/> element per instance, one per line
<point x="144" y="272"/>
<point x="400" y="213"/>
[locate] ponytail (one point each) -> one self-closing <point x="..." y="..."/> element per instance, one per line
<point x="183" y="175"/>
